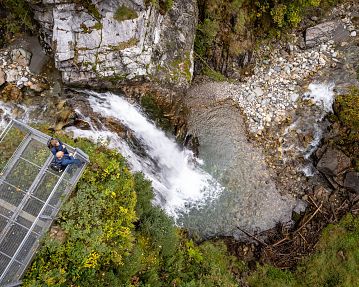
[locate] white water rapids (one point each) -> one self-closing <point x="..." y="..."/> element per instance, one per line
<point x="176" y="175"/>
<point x="211" y="198"/>
<point x="231" y="187"/>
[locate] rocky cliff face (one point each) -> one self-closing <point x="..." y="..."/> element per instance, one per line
<point x="119" y="40"/>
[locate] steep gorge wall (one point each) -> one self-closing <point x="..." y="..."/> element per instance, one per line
<point x="121" y="41"/>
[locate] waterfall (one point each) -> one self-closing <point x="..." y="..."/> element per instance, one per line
<point x="176" y="175"/>
<point x="211" y="198"/>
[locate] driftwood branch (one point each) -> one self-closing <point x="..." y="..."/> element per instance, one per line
<point x="280" y="241"/>
<point x="305" y="223"/>
<point x="252" y="236"/>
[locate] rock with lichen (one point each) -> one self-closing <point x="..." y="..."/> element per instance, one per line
<point x="120" y="40"/>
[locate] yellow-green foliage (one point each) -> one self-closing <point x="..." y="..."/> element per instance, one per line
<point x="214" y="75"/>
<point x="114" y="236"/>
<point x="125" y="13"/>
<point x="98" y="222"/>
<point x="162" y="5"/>
<point x="347" y="110"/>
<point x="288" y="13"/>
<point x="335" y="263"/>
<point x="124" y="45"/>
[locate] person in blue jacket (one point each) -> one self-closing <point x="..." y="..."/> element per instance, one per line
<point x="56" y="145"/>
<point x="66" y="159"/>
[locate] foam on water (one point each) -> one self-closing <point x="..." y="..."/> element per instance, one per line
<point x="176" y="175"/>
<point x="322" y="94"/>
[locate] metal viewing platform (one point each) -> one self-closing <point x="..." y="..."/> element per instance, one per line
<point x="31" y="195"/>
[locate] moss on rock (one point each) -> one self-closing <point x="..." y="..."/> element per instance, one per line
<point x="125" y="13"/>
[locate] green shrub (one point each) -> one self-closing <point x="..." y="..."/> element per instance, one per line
<point x="18" y="18"/>
<point x="162" y="5"/>
<point x="206" y="34"/>
<point x="347" y="110"/>
<point x="98" y="223"/>
<point x="125" y="13"/>
<point x="114" y="236"/>
<point x="278" y="14"/>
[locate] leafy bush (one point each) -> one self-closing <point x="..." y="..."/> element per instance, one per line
<point x="15" y="16"/>
<point x="162" y="5"/>
<point x="98" y="224"/>
<point x="347" y="109"/>
<point x="206" y="34"/>
<point x="114" y="236"/>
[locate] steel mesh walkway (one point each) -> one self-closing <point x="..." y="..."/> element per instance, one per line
<point x="30" y="195"/>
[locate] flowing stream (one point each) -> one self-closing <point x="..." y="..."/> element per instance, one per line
<point x="176" y="174"/>
<point x="228" y="187"/>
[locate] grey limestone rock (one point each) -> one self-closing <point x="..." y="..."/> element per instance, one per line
<point x="21" y="56"/>
<point x="333" y="162"/>
<point x="12" y="75"/>
<point x="351" y="181"/>
<point x="323" y="32"/>
<point x="90" y="49"/>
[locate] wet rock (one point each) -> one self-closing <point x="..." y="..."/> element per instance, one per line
<point x="65" y="117"/>
<point x="351" y="181"/>
<point x="331" y="30"/>
<point x="118" y="127"/>
<point x="333" y="162"/>
<point x="2" y="77"/>
<point x="81" y="124"/>
<point x="21" y="56"/>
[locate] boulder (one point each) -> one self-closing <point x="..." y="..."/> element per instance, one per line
<point x="2" y="77"/>
<point x="333" y="162"/>
<point x="12" y="75"/>
<point x="351" y="181"/>
<point x="331" y="30"/>
<point x="21" y="56"/>
<point x="37" y="87"/>
<point x="96" y="47"/>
